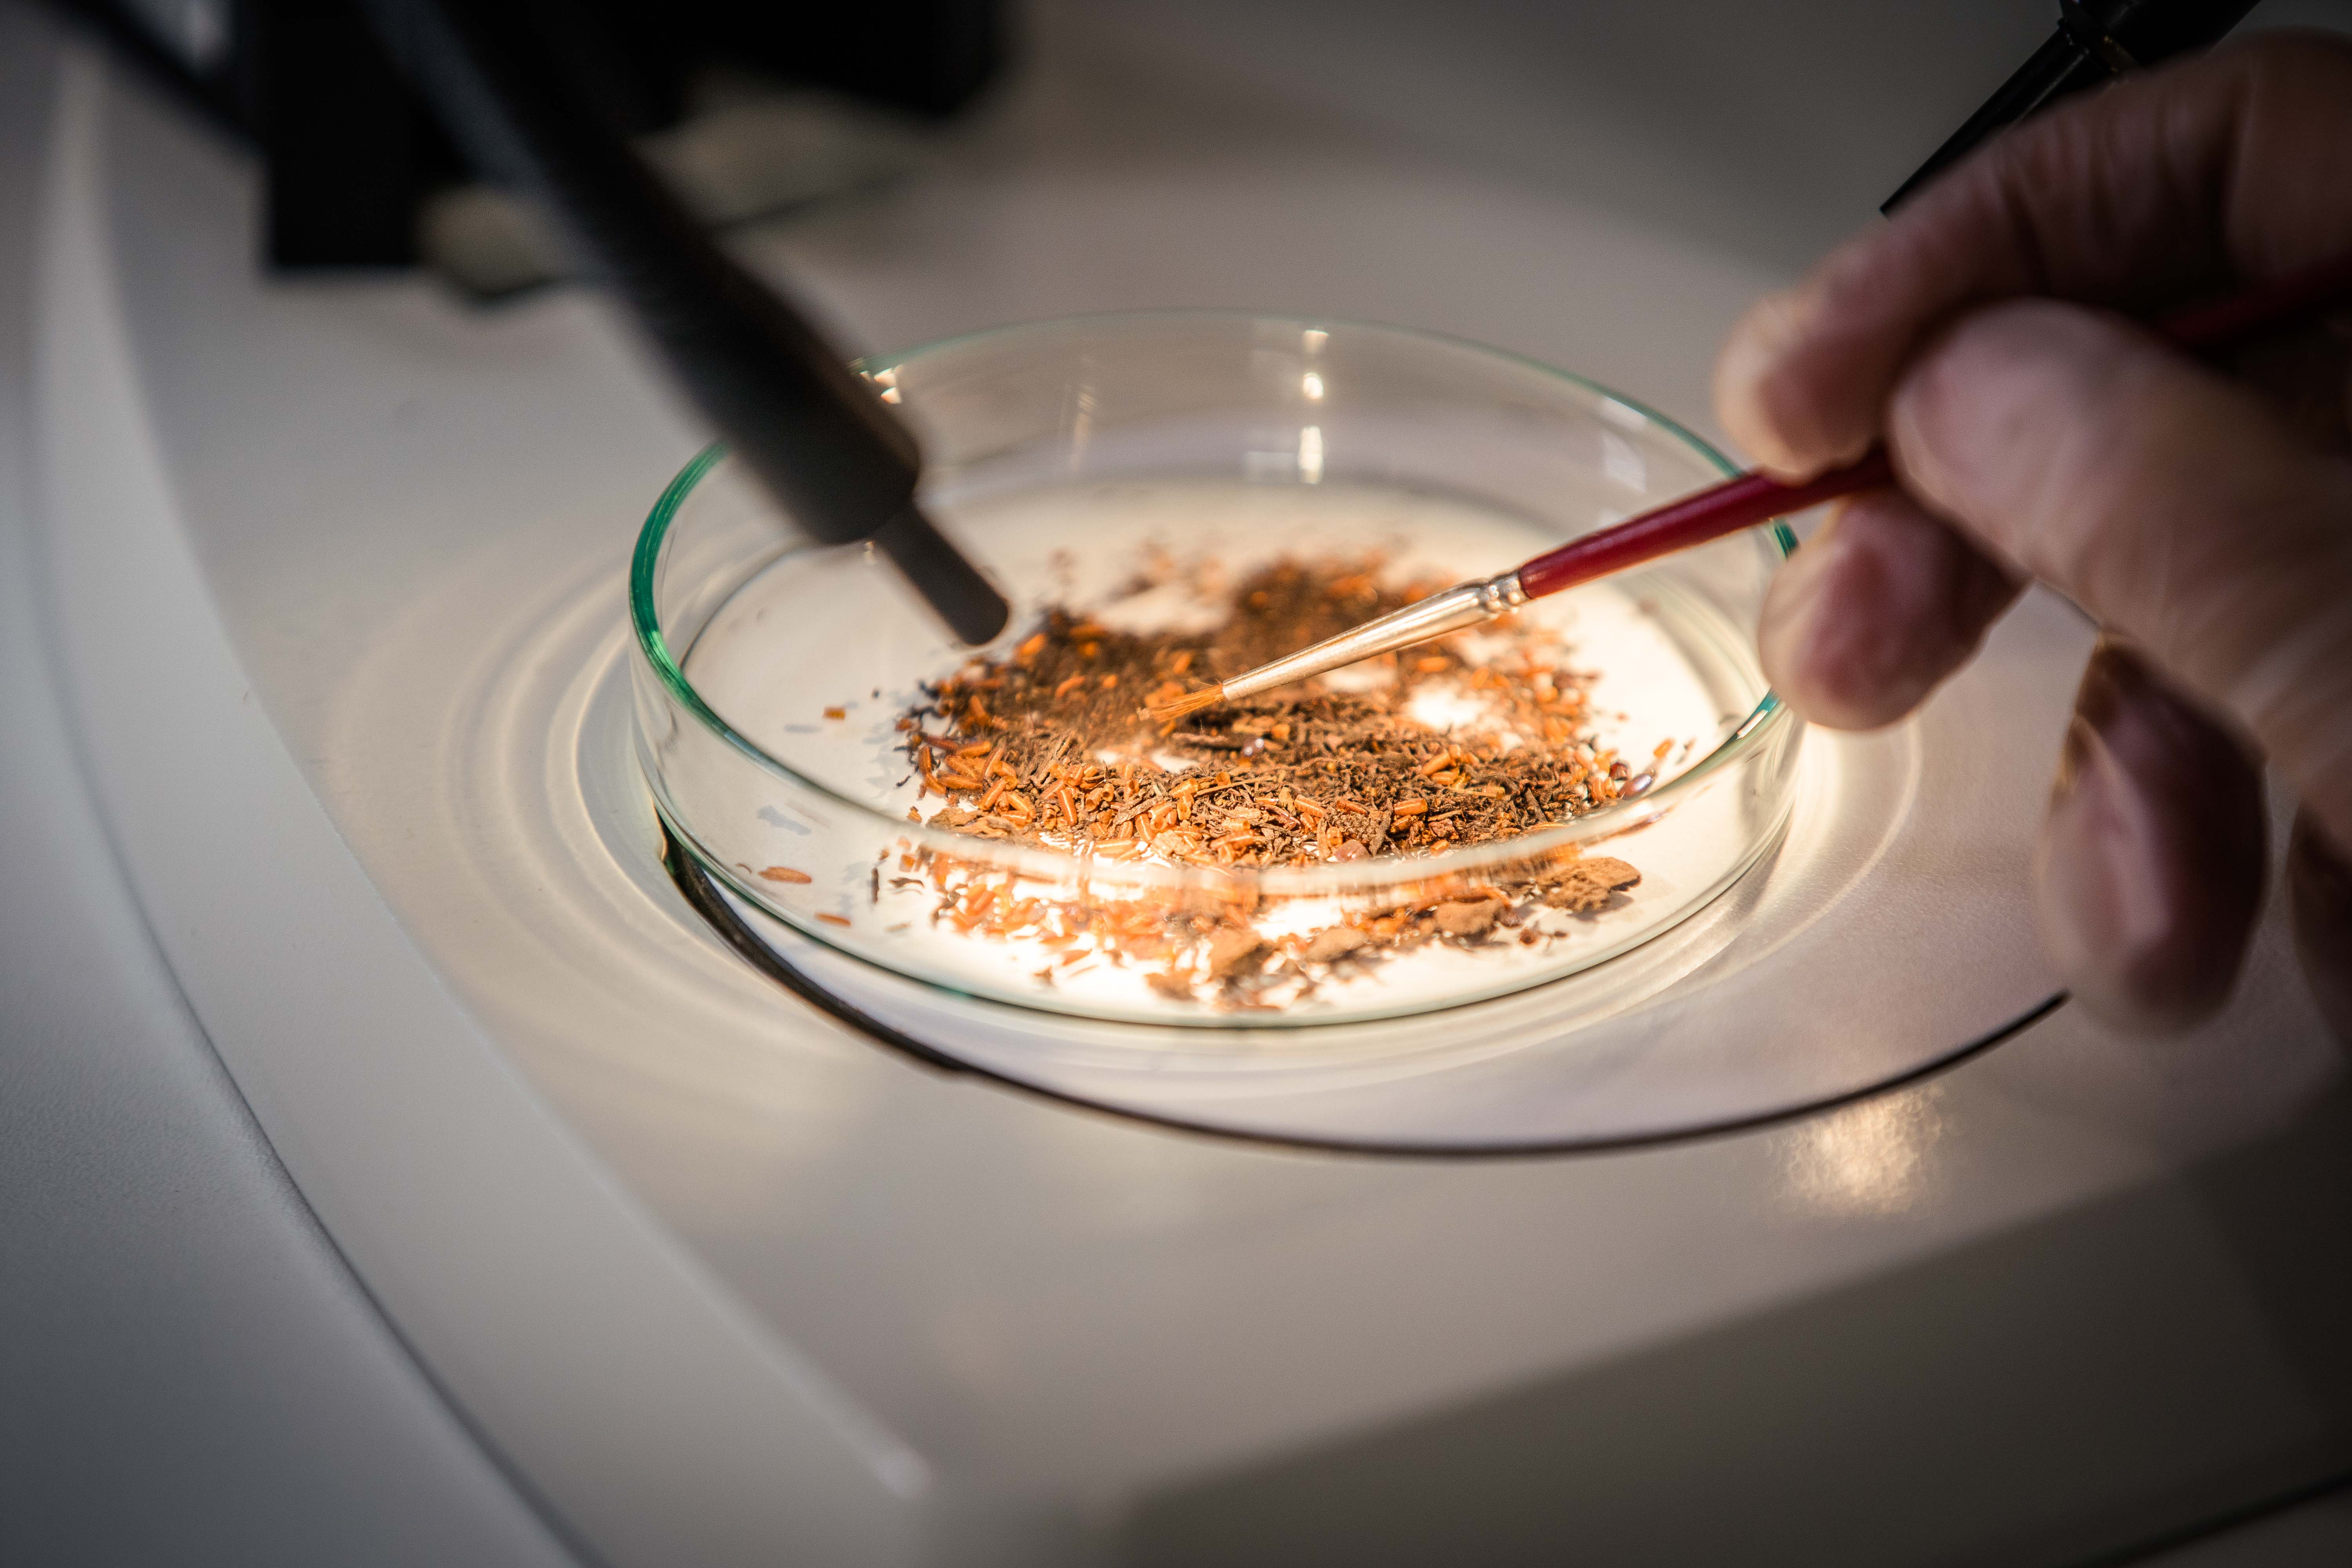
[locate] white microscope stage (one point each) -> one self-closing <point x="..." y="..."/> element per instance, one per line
<point x="333" y="572"/>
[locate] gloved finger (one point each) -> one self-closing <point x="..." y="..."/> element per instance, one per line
<point x="2172" y="504"/>
<point x="1880" y="604"/>
<point x="2319" y="896"/>
<point x="2184" y="181"/>
<point x="2149" y="871"/>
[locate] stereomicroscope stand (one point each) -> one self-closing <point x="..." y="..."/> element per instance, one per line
<point x="452" y="1190"/>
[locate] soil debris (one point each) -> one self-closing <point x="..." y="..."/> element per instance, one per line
<point x="1478" y="738"/>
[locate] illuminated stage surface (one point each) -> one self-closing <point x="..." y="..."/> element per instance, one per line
<point x="334" y="572"/>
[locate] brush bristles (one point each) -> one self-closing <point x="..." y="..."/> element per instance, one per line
<point x="1190" y="702"/>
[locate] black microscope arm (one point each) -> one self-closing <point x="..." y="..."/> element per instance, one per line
<point x="497" y="77"/>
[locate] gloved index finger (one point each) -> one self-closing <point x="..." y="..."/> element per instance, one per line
<point x="2230" y="169"/>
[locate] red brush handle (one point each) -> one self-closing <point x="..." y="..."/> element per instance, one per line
<point x="2274" y="304"/>
<point x="1752" y="498"/>
<point x="1723" y="509"/>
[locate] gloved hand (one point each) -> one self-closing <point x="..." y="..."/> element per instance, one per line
<point x="2203" y="517"/>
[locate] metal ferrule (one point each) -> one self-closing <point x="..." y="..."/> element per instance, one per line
<point x="1457" y="609"/>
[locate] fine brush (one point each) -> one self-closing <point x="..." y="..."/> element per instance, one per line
<point x="1741" y="502"/>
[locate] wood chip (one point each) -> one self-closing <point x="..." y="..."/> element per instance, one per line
<point x="1230" y="948"/>
<point x="1334" y="944"/>
<point x="1051" y="746"/>
<point x="1587" y="885"/>
<point x="1468" y="919"/>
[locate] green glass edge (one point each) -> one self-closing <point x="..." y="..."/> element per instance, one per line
<point x="643" y="617"/>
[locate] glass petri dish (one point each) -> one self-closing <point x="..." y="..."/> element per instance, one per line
<point x="769" y="672"/>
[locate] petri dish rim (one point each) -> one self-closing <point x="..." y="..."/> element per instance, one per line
<point x="1763" y="720"/>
